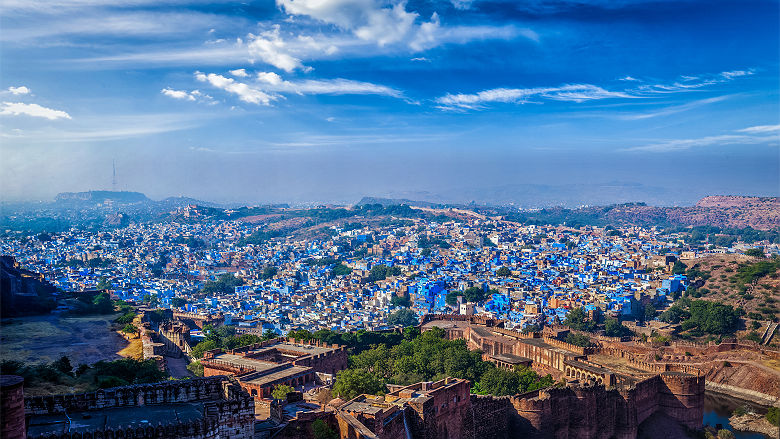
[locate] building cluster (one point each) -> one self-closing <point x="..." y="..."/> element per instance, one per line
<point x="527" y="275"/>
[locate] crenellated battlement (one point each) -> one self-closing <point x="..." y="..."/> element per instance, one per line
<point x="198" y="389"/>
<point x="221" y="410"/>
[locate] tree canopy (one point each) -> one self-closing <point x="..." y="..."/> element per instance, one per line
<point x="402" y="317"/>
<point x="225" y="284"/>
<point x="382" y="272"/>
<point x="577" y="319"/>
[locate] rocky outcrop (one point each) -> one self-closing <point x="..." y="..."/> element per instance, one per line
<point x="23" y="292"/>
<point x="755" y="423"/>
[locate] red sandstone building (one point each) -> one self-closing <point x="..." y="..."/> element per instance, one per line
<point x="261" y="367"/>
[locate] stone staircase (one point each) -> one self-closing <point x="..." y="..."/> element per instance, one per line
<point x="769" y="333"/>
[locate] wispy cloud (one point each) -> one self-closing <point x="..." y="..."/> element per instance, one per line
<point x="588" y="92"/>
<point x="269" y="87"/>
<point x="689" y="83"/>
<point x="753" y="138"/>
<point x="568" y="92"/>
<point x="674" y="109"/>
<point x="462" y="4"/>
<point x="108" y="128"/>
<point x="19" y="90"/>
<point x="339" y="86"/>
<point x="761" y="129"/>
<point x="34" y="110"/>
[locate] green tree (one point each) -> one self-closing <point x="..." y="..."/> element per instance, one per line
<point x="755" y="252"/>
<point x="340" y="270"/>
<point x="578" y="340"/>
<point x="321" y="430"/>
<point x="196" y="367"/>
<point x="225" y="284"/>
<point x="504" y="272"/>
<point x="679" y="267"/>
<point x="773" y="416"/>
<point x="613" y="328"/>
<point x="200" y="348"/>
<point x="353" y="382"/>
<point x="63" y="365"/>
<point x="178" y="302"/>
<point x="402" y="317"/>
<point x="269" y="271"/>
<point x="102" y="304"/>
<point x="130" y="329"/>
<point x="401" y="301"/>
<point x="104" y="284"/>
<point x="281" y="391"/>
<point x="577" y="319"/>
<point x="649" y="312"/>
<point x="498" y="382"/>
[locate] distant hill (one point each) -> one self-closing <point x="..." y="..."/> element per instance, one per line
<point x="762" y="213"/>
<point x="100" y="197"/>
<point x="720" y="211"/>
<point x="395" y="202"/>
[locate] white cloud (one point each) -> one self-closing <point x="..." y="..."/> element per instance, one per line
<point x="737" y="73"/>
<point x="177" y="94"/>
<point x="194" y="95"/>
<point x="761" y="129"/>
<point x="244" y="92"/>
<point x="271" y="82"/>
<point x="370" y="20"/>
<point x="272" y="49"/>
<point x="628" y="78"/>
<point x="694" y="82"/>
<point x="336" y="87"/>
<point x="269" y="78"/>
<point x="22" y="90"/>
<point x="239" y="73"/>
<point x="35" y="110"/>
<point x="270" y="86"/>
<point x="568" y="92"/>
<point x="462" y="4"/>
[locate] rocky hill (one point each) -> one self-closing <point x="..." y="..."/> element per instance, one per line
<point x="761" y="213"/>
<point x="730" y="211"/>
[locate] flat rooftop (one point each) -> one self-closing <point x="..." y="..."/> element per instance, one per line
<point x="368" y="405"/>
<point x="117" y="417"/>
<point x="511" y="358"/>
<point x="302" y="349"/>
<point x="280" y="374"/>
<point x="247" y="363"/>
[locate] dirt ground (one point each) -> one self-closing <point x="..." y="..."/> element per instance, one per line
<point x="43" y="339"/>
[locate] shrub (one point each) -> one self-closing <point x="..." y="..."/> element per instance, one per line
<point x="773" y="416"/>
<point x="281" y="391"/>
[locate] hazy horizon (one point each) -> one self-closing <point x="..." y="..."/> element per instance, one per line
<point x="328" y="101"/>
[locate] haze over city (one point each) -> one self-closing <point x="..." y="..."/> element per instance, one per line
<point x="450" y="101"/>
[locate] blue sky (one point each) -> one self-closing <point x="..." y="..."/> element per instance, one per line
<point x="330" y="100"/>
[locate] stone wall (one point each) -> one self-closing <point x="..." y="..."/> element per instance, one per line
<point x="228" y="411"/>
<point x="199" y="389"/>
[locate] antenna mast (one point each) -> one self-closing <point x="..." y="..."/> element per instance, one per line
<point x="113" y="177"/>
